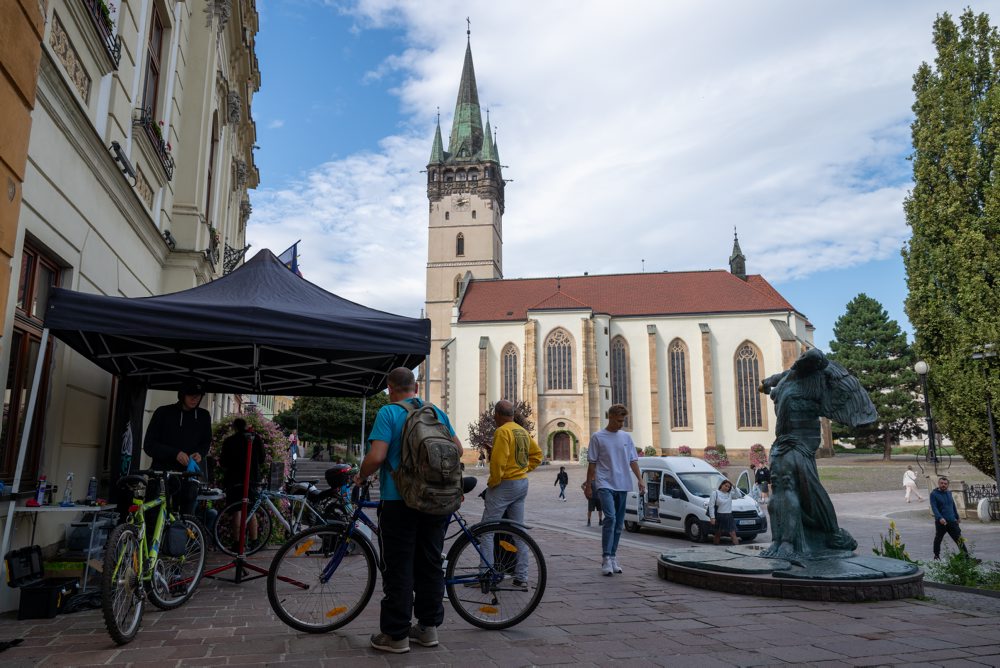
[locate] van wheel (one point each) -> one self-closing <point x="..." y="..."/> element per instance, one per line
<point x="631" y="527"/>
<point x="694" y="531"/>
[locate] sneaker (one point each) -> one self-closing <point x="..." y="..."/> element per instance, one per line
<point x="588" y="522"/>
<point x="615" y="566"/>
<point x="519" y="584"/>
<point x="606" y="567"/>
<point x="600" y="523"/>
<point x="381" y="641"/>
<point x="424" y="635"/>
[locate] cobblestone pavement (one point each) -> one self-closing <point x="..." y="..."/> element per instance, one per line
<point x="634" y="619"/>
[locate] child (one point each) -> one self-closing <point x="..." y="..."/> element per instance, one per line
<point x="562" y="479"/>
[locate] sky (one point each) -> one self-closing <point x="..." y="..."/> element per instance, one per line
<point x="636" y="134"/>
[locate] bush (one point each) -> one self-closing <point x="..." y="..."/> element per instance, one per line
<point x="716" y="456"/>
<point x="275" y="442"/>
<point x="583" y="455"/>
<point x="684" y="451"/>
<point x="651" y="451"/>
<point x="758" y="455"/>
<point x="958" y="568"/>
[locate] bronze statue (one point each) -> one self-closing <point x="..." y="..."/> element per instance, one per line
<point x="803" y="521"/>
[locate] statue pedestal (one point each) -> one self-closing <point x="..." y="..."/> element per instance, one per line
<point x="739" y="570"/>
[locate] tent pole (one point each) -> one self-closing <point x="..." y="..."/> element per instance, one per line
<point x="364" y="414"/>
<point x="25" y="435"/>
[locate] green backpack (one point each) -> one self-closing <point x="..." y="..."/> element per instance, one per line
<point x="429" y="477"/>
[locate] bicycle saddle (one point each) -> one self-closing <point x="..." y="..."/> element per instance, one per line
<point x="469" y="483"/>
<point x="133" y="481"/>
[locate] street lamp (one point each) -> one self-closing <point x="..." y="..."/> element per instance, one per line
<point x="984" y="353"/>
<point x="921" y="367"/>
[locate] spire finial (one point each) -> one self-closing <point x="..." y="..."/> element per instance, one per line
<point x="735" y="236"/>
<point x="468" y="29"/>
<point x="558" y="283"/>
<point x="439" y="115"/>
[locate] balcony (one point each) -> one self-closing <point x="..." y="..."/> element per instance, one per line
<point x="143" y="117"/>
<point x="100" y="14"/>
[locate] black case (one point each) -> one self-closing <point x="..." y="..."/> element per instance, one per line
<point x="41" y="598"/>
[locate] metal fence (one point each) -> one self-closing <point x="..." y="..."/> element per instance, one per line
<point x="975" y="493"/>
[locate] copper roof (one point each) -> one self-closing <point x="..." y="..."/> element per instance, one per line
<point x="648" y="294"/>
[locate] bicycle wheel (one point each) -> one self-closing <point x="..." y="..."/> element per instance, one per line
<point x="226" y="532"/>
<point x="496" y="578"/>
<point x="122" y="598"/>
<point x="315" y="585"/>
<point x="175" y="578"/>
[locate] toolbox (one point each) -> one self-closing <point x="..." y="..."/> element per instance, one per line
<point x="41" y="597"/>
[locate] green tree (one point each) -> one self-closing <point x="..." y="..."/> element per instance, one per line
<point x="481" y="431"/>
<point x="874" y="349"/>
<point x="329" y="419"/>
<point x="953" y="256"/>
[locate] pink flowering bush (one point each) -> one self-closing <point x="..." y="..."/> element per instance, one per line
<point x="684" y="451"/>
<point x="758" y="456"/>
<point x="716" y="456"/>
<point x="275" y="441"/>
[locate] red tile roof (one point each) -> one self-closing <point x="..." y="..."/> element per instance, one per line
<point x="666" y="293"/>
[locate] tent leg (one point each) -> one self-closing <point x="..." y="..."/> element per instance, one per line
<point x="25" y="435"/>
<point x="364" y="414"/>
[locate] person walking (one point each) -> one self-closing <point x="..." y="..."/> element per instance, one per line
<point x="562" y="479"/>
<point x="720" y="512"/>
<point x="514" y="454"/>
<point x="610" y="456"/>
<point x="945" y="518"/>
<point x="410" y="541"/>
<point x="763" y="480"/>
<point x="910" y="484"/>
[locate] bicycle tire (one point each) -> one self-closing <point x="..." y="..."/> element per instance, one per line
<point x="486" y="595"/>
<point x="225" y="537"/>
<point x="174" y="579"/>
<point x="122" y="597"/>
<point x="295" y="588"/>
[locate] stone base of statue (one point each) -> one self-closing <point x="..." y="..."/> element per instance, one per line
<point x="841" y="577"/>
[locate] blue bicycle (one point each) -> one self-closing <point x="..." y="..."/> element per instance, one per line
<point x="322" y="578"/>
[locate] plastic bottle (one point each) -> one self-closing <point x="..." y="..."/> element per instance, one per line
<point x="40" y="494"/>
<point x="67" y="500"/>
<point x="92" y="490"/>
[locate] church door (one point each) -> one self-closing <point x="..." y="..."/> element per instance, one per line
<point x="560" y="447"/>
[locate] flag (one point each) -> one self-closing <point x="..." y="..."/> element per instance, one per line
<point x="290" y="258"/>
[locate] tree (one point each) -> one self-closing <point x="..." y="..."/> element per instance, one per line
<point x="327" y="419"/>
<point x="481" y="431"/>
<point x="953" y="256"/>
<point x="874" y="349"/>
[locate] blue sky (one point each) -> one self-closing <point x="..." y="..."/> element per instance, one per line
<point x="656" y="127"/>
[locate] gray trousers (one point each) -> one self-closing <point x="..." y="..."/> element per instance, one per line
<point x="506" y="501"/>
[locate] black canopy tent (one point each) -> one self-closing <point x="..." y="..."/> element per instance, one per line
<point x="260" y="329"/>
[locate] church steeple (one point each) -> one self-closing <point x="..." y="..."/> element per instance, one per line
<point x="737" y="261"/>
<point x="437" y="150"/>
<point x="489" y="150"/>
<point x="467" y="127"/>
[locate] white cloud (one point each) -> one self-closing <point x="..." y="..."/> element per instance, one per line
<point x="276" y="123"/>
<point x="643" y="130"/>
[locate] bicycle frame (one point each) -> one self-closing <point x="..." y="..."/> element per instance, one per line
<point x="148" y="554"/>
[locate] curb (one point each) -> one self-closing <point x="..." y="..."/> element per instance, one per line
<point x="965" y="590"/>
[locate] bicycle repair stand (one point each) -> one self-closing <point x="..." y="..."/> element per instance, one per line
<point x="240" y="563"/>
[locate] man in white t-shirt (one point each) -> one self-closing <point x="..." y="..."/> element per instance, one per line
<point x="611" y="454"/>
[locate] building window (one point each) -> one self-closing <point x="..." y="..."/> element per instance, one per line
<point x="559" y="360"/>
<point x="447" y="215"/>
<point x="677" y="355"/>
<point x="508" y="364"/>
<point x="619" y="374"/>
<point x="460" y="244"/>
<point x="458" y="286"/>
<point x="154" y="52"/>
<point x="211" y="170"/>
<point x="37" y="277"/>
<point x="473" y="214"/>
<point x="748" y="400"/>
<point x="460" y="176"/>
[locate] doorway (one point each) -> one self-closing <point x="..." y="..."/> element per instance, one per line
<point x="561" y="443"/>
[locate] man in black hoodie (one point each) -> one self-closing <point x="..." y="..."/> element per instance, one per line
<point x="177" y="434"/>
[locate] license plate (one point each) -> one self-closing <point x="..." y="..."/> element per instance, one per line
<point x="746" y="522"/>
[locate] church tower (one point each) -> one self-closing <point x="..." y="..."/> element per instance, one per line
<point x="465" y="190"/>
<point x="737" y="261"/>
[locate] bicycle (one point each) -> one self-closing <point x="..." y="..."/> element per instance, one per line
<point x="225" y="534"/>
<point x="135" y="565"/>
<point x="321" y="579"/>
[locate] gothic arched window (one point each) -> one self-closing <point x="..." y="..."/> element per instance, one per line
<point x="458" y="286"/>
<point x="460" y="244"/>
<point x="447" y="215"/>
<point x="619" y="373"/>
<point x="677" y="358"/>
<point x="559" y="360"/>
<point x="473" y="214"/>
<point x="508" y="366"/>
<point x="749" y="409"/>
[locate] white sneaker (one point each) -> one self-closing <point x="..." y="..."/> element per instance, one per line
<point x="615" y="565"/>
<point x="606" y="567"/>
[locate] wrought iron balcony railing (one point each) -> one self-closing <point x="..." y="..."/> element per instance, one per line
<point x="101" y="16"/>
<point x="143" y="118"/>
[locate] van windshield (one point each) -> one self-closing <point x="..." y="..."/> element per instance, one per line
<point x="703" y="484"/>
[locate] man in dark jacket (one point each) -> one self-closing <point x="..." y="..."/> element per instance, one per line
<point x="177" y="434"/>
<point x="945" y="517"/>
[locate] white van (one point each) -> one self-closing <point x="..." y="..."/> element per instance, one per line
<point x="677" y="491"/>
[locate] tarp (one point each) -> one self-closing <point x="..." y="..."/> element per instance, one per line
<point x="259" y="330"/>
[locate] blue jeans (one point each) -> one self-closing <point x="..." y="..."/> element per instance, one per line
<point x="613" y="504"/>
<point x="506" y="501"/>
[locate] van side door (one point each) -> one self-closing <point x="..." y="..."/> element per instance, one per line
<point x="673" y="502"/>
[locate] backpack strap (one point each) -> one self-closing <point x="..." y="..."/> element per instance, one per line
<point x="410" y="409"/>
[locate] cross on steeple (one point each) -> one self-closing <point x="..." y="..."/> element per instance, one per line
<point x="468" y="29"/>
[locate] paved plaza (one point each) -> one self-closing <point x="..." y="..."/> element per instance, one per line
<point x="585" y="619"/>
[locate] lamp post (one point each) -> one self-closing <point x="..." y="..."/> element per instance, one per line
<point x="921" y="367"/>
<point x="984" y="353"/>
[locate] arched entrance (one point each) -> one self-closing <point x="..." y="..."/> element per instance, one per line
<point x="562" y="446"/>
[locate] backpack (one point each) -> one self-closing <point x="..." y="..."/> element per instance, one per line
<point x="429" y="477"/>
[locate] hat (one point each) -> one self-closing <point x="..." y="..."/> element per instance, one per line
<point x="191" y="387"/>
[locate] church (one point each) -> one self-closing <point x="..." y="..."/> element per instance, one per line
<point x="684" y="350"/>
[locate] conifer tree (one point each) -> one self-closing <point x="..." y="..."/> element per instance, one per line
<point x="874" y="349"/>
<point x="953" y="257"/>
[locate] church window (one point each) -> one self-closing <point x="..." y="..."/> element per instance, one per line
<point x="749" y="407"/>
<point x="486" y="173"/>
<point x="559" y="361"/>
<point x="434" y="175"/>
<point x="449" y="177"/>
<point x="447" y="215"/>
<point x="460" y="244"/>
<point x="677" y="354"/>
<point x="458" y="286"/>
<point x="473" y="215"/>
<point x="473" y="175"/>
<point x="619" y="374"/>
<point x="460" y="176"/>
<point x="508" y="361"/>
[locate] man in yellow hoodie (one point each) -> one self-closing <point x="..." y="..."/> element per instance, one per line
<point x="514" y="454"/>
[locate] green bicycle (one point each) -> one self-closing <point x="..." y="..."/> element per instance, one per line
<point x="165" y="564"/>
